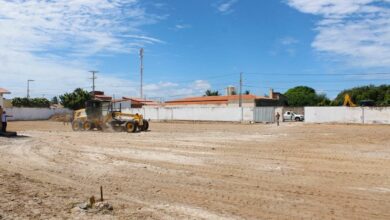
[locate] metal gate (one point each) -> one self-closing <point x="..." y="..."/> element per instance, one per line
<point x="264" y="114"/>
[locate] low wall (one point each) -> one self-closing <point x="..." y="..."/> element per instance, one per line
<point x="233" y="114"/>
<point x="359" y="115"/>
<point x="31" y="114"/>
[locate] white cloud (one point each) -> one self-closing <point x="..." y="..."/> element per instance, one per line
<point x="285" y="45"/>
<point x="288" y="41"/>
<point x="329" y="7"/>
<point x="144" y="39"/>
<point x="182" y="26"/>
<point x="171" y="90"/>
<point x="225" y="6"/>
<point x="50" y="41"/>
<point x="201" y="85"/>
<point x="356" y="31"/>
<point x="79" y="25"/>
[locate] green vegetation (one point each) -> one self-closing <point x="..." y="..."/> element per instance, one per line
<point x="75" y="100"/>
<point x="211" y="93"/>
<point x="380" y="95"/>
<point x="54" y="100"/>
<point x="305" y="96"/>
<point x="31" y="103"/>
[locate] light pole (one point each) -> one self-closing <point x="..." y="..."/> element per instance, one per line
<point x="240" y="95"/>
<point x="141" y="54"/>
<point x="93" y="80"/>
<point x="28" y="87"/>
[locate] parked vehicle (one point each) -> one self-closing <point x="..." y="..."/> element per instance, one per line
<point x="292" y="116"/>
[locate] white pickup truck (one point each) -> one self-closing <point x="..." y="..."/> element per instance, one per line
<point x="292" y="116"/>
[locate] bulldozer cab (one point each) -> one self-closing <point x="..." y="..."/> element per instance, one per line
<point x="97" y="109"/>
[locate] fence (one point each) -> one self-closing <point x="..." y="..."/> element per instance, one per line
<point x="27" y="114"/>
<point x="361" y="115"/>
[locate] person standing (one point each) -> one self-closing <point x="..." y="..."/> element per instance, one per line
<point x="277" y="116"/>
<point x="4" y="117"/>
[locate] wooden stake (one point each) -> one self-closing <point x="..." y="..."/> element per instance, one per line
<point x="101" y="193"/>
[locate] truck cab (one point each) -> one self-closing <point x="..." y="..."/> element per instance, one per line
<point x="292" y="116"/>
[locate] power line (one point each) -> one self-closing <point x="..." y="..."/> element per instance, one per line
<point x="316" y="82"/>
<point x="206" y="78"/>
<point x="283" y="88"/>
<point x="314" y="74"/>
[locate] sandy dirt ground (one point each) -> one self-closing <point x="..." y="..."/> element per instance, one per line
<point x="198" y="171"/>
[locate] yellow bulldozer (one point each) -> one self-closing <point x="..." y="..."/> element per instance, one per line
<point x="101" y="115"/>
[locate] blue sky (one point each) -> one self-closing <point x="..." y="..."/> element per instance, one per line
<point x="193" y="45"/>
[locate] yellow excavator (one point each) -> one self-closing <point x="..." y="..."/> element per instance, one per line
<point x="101" y="115"/>
<point x="348" y="101"/>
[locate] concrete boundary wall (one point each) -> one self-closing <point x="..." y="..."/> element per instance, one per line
<point x="228" y="114"/>
<point x="358" y="115"/>
<point x="31" y="114"/>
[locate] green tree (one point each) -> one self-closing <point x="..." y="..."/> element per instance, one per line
<point x="31" y="103"/>
<point x="305" y="96"/>
<point x="323" y="100"/>
<point x="54" y="100"/>
<point x="75" y="100"/>
<point x="247" y="92"/>
<point x="380" y="95"/>
<point x="211" y="93"/>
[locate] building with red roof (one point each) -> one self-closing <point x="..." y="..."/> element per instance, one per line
<point x="274" y="99"/>
<point x="99" y="95"/>
<point x="2" y="93"/>
<point x="131" y="102"/>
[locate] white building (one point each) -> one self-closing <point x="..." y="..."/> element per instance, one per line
<point x="2" y="93"/>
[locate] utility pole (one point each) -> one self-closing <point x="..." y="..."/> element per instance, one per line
<point x="28" y="87"/>
<point x="93" y="80"/>
<point x="240" y="100"/>
<point x="141" y="54"/>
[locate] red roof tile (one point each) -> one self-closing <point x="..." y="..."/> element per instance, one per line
<point x="140" y="101"/>
<point x="103" y="97"/>
<point x="210" y="99"/>
<point x="4" y="91"/>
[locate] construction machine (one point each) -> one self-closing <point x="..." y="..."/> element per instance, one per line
<point x="102" y="115"/>
<point x="348" y="101"/>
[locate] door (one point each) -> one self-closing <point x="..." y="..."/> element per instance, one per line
<point x="264" y="114"/>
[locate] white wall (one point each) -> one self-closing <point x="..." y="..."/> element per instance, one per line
<point x="27" y="114"/>
<point x="375" y="115"/>
<point x="1" y="100"/>
<point x="362" y="115"/>
<point x="234" y="114"/>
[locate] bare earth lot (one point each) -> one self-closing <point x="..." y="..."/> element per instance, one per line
<point x="198" y="171"/>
